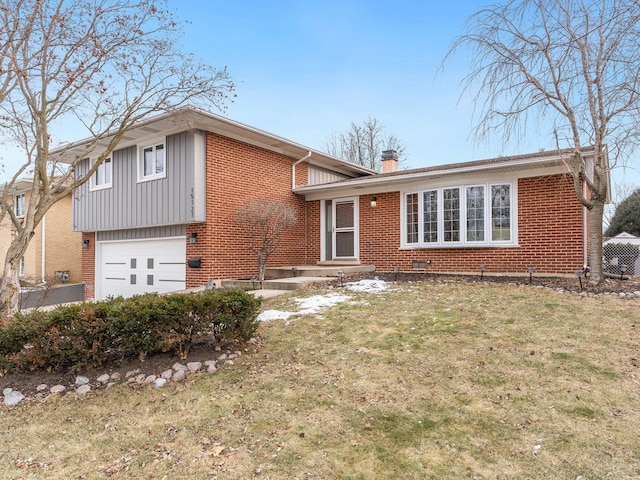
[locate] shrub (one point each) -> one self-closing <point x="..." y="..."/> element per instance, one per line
<point x="91" y="334"/>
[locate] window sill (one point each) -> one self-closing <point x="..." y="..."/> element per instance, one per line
<point x="151" y="178"/>
<point x="93" y="188"/>
<point x="458" y="246"/>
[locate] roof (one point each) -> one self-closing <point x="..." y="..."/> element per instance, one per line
<point x="624" y="237"/>
<point x="187" y="118"/>
<point x="392" y="181"/>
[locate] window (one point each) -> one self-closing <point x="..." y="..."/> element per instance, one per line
<point x="470" y="215"/>
<point x="102" y="177"/>
<point x="500" y="213"/>
<point x="430" y="216"/>
<point x="19" y="203"/>
<point x="152" y="162"/>
<point x="475" y="214"/>
<point x="451" y="214"/>
<point x="21" y="267"/>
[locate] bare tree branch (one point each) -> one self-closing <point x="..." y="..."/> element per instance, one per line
<point x="264" y="223"/>
<point x="573" y="66"/>
<point x="105" y="64"/>
<point x="364" y="143"/>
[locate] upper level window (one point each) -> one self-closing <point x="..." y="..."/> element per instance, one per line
<point x="461" y="216"/>
<point x="19" y="204"/>
<point x="152" y="161"/>
<point x="102" y="177"/>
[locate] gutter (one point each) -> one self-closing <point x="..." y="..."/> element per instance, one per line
<point x="293" y="170"/>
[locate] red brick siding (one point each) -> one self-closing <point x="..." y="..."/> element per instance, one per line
<point x="237" y="173"/>
<point x="89" y="265"/>
<point x="550" y="234"/>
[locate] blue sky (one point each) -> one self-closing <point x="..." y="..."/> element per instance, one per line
<point x="306" y="69"/>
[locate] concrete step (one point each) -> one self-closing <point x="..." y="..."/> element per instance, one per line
<point x="326" y="270"/>
<point x="274" y="284"/>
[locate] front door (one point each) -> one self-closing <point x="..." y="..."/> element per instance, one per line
<point x="342" y="220"/>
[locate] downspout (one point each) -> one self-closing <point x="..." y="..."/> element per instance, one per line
<point x="293" y="186"/>
<point x="43" y="248"/>
<point x="293" y="169"/>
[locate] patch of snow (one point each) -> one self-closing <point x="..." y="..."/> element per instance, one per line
<point x="370" y="286"/>
<point x="269" y="315"/>
<point x="315" y="303"/>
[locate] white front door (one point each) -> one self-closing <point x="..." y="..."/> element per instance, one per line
<point x="135" y="267"/>
<point x="344" y="229"/>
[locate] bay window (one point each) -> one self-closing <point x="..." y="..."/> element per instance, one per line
<point x="469" y="215"/>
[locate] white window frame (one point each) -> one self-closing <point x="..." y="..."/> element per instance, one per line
<point x="21" y="267"/>
<point x="463" y="243"/>
<point x="20" y="203"/>
<point x="102" y="168"/>
<point x="154" y="144"/>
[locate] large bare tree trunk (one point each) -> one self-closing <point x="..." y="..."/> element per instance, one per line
<point x="595" y="243"/>
<point x="9" y="289"/>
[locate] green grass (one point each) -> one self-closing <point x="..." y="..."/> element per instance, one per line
<point x="434" y="380"/>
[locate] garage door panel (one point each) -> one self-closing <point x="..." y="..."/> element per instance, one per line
<point x="135" y="267"/>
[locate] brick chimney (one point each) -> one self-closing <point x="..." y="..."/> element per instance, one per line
<point x="389" y="161"/>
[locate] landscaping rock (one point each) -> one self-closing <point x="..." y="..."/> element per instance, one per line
<point x="83" y="389"/>
<point x="194" y="366"/>
<point x="132" y="373"/>
<point x="13" y="398"/>
<point x="167" y="374"/>
<point x="160" y="382"/>
<point x="179" y="376"/>
<point x="179" y="366"/>
<point x="104" y="378"/>
<point x="58" y="389"/>
<point x="116" y="376"/>
<point x="150" y="379"/>
<point x="82" y="380"/>
<point x="42" y="387"/>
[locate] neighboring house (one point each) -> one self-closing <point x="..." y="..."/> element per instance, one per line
<point x="54" y="253"/>
<point x="160" y="215"/>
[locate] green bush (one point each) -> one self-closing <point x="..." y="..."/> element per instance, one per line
<point x="92" y="334"/>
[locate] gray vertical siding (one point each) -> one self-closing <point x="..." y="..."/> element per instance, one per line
<point x="142" y="233"/>
<point x="318" y="175"/>
<point x="178" y="198"/>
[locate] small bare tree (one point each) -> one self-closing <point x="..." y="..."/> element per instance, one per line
<point x="264" y="223"/>
<point x="100" y="65"/>
<point x="573" y="66"/>
<point x="364" y="143"/>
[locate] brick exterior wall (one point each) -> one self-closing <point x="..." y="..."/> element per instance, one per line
<point x="550" y="234"/>
<point x="89" y="265"/>
<point x="62" y="250"/>
<point x="237" y="173"/>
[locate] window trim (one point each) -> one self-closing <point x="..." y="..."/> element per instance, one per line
<point x="140" y="160"/>
<point x="17" y="203"/>
<point x="93" y="184"/>
<point x="463" y="243"/>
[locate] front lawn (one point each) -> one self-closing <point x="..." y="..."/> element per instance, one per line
<point x="423" y="380"/>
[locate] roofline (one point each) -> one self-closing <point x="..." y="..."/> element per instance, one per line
<point x="199" y="123"/>
<point x="487" y="165"/>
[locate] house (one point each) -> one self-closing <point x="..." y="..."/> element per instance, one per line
<point x="160" y="214"/>
<point x="54" y="253"/>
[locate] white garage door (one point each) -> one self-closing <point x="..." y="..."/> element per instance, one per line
<point x="131" y="267"/>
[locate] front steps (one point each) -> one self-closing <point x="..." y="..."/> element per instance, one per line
<point x="294" y="277"/>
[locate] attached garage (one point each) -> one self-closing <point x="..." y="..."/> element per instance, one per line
<point x="134" y="267"/>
